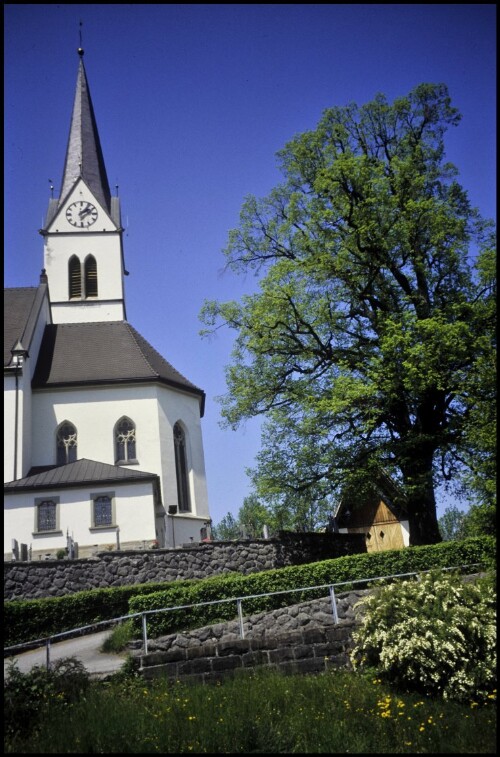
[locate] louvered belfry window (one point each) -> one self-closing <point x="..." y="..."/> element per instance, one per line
<point x="181" y="469"/>
<point x="75" y="277"/>
<point x="90" y="277"/>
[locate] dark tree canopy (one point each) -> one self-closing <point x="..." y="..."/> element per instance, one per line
<point x="370" y="342"/>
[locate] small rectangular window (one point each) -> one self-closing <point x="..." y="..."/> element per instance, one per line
<point x="46" y="515"/>
<point x="102" y="510"/>
<point x="103" y="515"/>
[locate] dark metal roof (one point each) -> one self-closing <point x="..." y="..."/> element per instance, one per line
<point x="21" y="308"/>
<point x="81" y="472"/>
<point x="84" y="154"/>
<point x="108" y="352"/>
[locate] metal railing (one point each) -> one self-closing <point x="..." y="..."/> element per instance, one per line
<point x="239" y="600"/>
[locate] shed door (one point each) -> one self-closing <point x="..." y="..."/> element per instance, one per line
<point x="381" y="536"/>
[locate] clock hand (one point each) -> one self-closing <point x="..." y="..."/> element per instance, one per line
<point x="84" y="212"/>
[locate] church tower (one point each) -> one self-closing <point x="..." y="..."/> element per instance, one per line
<point x="103" y="435"/>
<point x="83" y="249"/>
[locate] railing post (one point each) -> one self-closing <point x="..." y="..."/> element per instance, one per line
<point x="47" y="654"/>
<point x="334" y="605"/>
<point x="144" y="633"/>
<point x="240" y="617"/>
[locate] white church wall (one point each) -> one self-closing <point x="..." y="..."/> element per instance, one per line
<point x="88" y="312"/>
<point x="154" y="409"/>
<point x="28" y="372"/>
<point x="173" y="407"/>
<point x="106" y="251"/>
<point x="16" y="465"/>
<point x="9" y="405"/>
<point x="95" y="412"/>
<point x="133" y="509"/>
<point x="24" y="404"/>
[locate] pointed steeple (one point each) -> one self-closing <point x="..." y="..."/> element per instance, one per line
<point x="84" y="154"/>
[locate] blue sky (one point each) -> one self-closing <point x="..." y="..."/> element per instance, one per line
<point x="192" y="104"/>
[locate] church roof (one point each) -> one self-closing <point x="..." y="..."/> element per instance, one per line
<point x="108" y="352"/>
<point x="84" y="154"/>
<point x="21" y="307"/>
<point x="79" y="473"/>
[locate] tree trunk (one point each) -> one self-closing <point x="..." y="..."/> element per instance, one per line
<point x="422" y="514"/>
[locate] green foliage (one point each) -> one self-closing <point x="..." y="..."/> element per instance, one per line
<point x="452" y="524"/>
<point x="342" y="569"/>
<point x="227" y="530"/>
<point x="436" y="635"/>
<point x="38" y="618"/>
<point x="373" y="329"/>
<point x="119" y="637"/>
<point x="481" y="520"/>
<point x="26" y="620"/>
<point x="249" y="523"/>
<point x="331" y="713"/>
<point x="29" y="696"/>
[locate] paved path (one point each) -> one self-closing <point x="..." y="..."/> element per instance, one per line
<point x="85" y="648"/>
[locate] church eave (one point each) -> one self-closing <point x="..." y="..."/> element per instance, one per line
<point x="121" y="382"/>
<point x="77" y="484"/>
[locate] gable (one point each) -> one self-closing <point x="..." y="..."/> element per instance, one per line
<point x="58" y="222"/>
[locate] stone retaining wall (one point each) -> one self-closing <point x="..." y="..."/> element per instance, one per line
<point x="303" y="638"/>
<point x="55" y="578"/>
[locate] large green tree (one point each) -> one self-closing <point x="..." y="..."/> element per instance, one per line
<point x="369" y="341"/>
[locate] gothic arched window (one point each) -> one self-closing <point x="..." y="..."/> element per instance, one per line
<point x="75" y="277"/>
<point x="90" y="276"/>
<point x="66" y="443"/>
<point x="181" y="469"/>
<point x="125" y="441"/>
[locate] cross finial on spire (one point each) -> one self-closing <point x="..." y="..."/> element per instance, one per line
<point x="80" y="49"/>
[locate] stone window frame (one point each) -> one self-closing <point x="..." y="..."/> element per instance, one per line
<point x="182" y="468"/>
<point x="66" y="446"/>
<point x="104" y="527"/>
<point x="132" y="437"/>
<point x="47" y="532"/>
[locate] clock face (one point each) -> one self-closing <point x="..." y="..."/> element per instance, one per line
<point x="81" y="214"/>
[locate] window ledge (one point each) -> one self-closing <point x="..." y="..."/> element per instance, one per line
<point x="127" y="462"/>
<point x="46" y="533"/>
<point x="103" y="528"/>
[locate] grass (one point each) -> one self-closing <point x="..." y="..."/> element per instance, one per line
<point x="262" y="711"/>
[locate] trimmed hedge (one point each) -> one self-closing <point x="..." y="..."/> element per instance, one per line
<point x="349" y="568"/>
<point x="26" y="620"/>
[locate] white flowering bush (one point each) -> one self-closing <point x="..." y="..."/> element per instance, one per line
<point x="436" y="635"/>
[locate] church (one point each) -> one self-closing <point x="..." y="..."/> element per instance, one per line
<point x="103" y="443"/>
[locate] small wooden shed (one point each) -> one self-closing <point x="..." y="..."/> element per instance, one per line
<point x="380" y="513"/>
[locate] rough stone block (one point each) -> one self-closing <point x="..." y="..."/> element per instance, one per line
<point x="236" y="646"/>
<point x="281" y="654"/>
<point x="200" y="665"/>
<point x="303" y="650"/>
<point x="313" y="635"/>
<point x="226" y="663"/>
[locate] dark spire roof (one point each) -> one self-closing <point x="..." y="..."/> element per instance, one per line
<point x="84" y="154"/>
